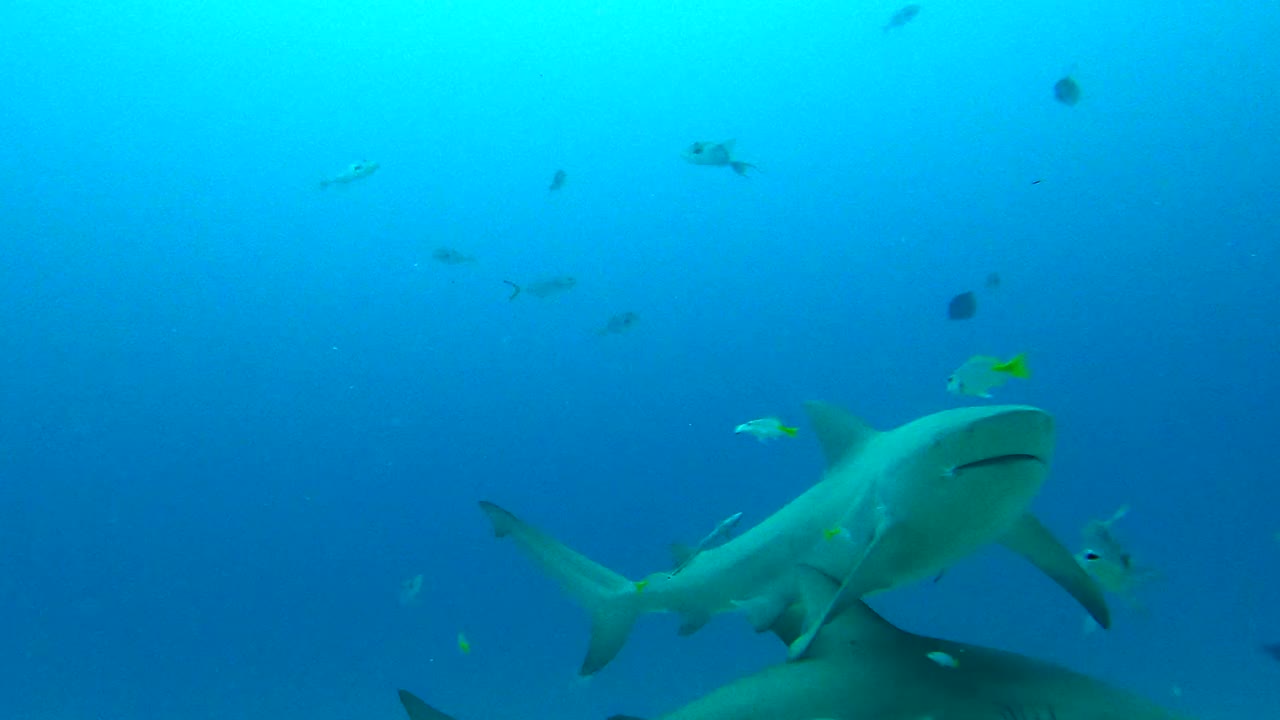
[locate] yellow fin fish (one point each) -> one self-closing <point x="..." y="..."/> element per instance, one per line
<point x="766" y="429"/>
<point x="980" y="373"/>
<point x="463" y="644"/>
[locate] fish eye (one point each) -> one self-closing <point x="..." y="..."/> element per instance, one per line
<point x="1091" y="555"/>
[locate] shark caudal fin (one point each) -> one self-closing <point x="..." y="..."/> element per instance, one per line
<point x="609" y="597"/>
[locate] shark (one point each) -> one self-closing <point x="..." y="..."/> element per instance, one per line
<point x="891" y="507"/>
<point x="862" y="667"/>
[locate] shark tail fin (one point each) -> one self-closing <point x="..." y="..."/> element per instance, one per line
<point x="419" y="710"/>
<point x="609" y="597"/>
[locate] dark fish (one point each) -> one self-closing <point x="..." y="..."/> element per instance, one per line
<point x="619" y="323"/>
<point x="1067" y="91"/>
<point x="963" y="306"/>
<point x="993" y="281"/>
<point x="557" y="180"/>
<point x="905" y="14"/>
<point x="1273" y="650"/>
<point x="449" y="256"/>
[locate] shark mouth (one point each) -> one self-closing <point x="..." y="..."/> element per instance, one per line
<point x="996" y="460"/>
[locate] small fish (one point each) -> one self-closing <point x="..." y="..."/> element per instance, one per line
<point x="963" y="306"/>
<point x="619" y="323"/>
<point x="640" y="585"/>
<point x="685" y="555"/>
<point x="766" y="429"/>
<point x="463" y="644"/>
<point x="557" y="180"/>
<point x="1067" y="91"/>
<point x="717" y="155"/>
<point x="1110" y="562"/>
<point x="943" y="659"/>
<point x="355" y="171"/>
<point x="410" y="588"/>
<point x="980" y="373"/>
<point x="544" y="288"/>
<point x="449" y="256"/>
<point x="993" y="281"/>
<point x="904" y="15"/>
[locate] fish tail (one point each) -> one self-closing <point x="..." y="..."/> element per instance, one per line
<point x="610" y="598"/>
<point x="742" y="167"/>
<point x="1017" y="366"/>
<point x="789" y="430"/>
<point x="514" y="292"/>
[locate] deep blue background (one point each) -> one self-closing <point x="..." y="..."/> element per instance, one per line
<point x="238" y="410"/>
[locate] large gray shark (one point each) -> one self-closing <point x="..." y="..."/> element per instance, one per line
<point x="892" y="507"/>
<point x="861" y="667"/>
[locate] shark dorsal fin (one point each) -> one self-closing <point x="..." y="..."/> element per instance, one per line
<point x="841" y="434"/>
<point x="681" y="554"/>
<point x="418" y="709"/>
<point x="857" y="623"/>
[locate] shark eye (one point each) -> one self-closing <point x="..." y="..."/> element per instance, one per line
<point x="1091" y="556"/>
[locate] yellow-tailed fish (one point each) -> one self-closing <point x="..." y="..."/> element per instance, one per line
<point x="980" y="373"/>
<point x="463" y="644"/>
<point x="766" y="429"/>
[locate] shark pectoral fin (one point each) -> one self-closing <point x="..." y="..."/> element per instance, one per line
<point x="609" y="597"/>
<point x="763" y="610"/>
<point x="692" y="622"/>
<point x="1034" y="542"/>
<point x="841" y="434"/>
<point x="419" y="710"/>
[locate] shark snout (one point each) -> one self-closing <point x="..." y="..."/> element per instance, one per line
<point x="1007" y="435"/>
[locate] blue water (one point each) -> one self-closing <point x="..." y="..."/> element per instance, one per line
<point x="238" y="410"/>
